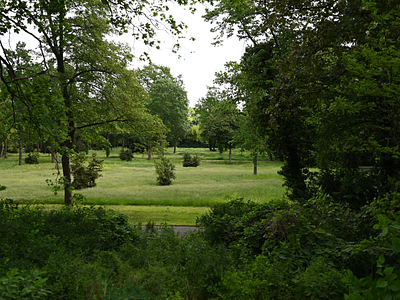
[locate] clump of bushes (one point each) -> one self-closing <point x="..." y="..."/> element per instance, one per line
<point x="126" y="155"/>
<point x="191" y="161"/>
<point x="165" y="171"/>
<point x="32" y="159"/>
<point x="85" y="176"/>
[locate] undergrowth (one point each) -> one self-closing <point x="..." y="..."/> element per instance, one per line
<point x="245" y="250"/>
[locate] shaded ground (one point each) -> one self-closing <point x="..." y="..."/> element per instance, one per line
<point x="182" y="230"/>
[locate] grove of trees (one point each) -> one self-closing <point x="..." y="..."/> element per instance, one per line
<point x="75" y="79"/>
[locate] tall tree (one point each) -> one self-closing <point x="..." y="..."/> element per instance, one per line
<point x="170" y="103"/>
<point x="85" y="73"/>
<point x="334" y="97"/>
<point x="219" y="120"/>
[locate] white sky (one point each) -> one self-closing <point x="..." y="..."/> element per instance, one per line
<point x="199" y="59"/>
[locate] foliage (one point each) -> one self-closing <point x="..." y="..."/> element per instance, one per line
<point x="219" y="119"/>
<point x="165" y="171"/>
<point x="324" y="82"/>
<point x="126" y="155"/>
<point x="321" y="280"/>
<point x="23" y="285"/>
<point x="169" y="102"/>
<point x="386" y="284"/>
<point x="32" y="158"/>
<point x="191" y="161"/>
<point x="85" y="176"/>
<point x="76" y="78"/>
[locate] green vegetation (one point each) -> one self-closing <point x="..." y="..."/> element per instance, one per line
<point x="246" y="250"/>
<point x="317" y="88"/>
<point x="134" y="183"/>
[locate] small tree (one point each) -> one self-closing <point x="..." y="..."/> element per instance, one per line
<point x="32" y="159"/>
<point x="165" y="171"/>
<point x="126" y="155"/>
<point x="189" y="161"/>
<point x="85" y="176"/>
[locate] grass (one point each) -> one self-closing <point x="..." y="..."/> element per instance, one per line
<point x="130" y="187"/>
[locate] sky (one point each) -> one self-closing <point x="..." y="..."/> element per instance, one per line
<point x="199" y="59"/>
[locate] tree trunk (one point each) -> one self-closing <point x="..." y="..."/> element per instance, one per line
<point x="255" y="162"/>
<point x="5" y="149"/>
<point x="174" y="148"/>
<point x="20" y="151"/>
<point x="149" y="154"/>
<point x="67" y="177"/>
<point x="230" y="154"/>
<point x="108" y="140"/>
<point x="2" y="149"/>
<point x="123" y="143"/>
<point x="57" y="161"/>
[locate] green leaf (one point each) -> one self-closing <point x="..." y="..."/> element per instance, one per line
<point x="388" y="270"/>
<point x="396" y="245"/>
<point x="394" y="286"/>
<point x="381" y="260"/>
<point x="381" y="283"/>
<point x="396" y="224"/>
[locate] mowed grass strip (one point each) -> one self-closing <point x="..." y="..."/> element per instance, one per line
<point x="160" y="215"/>
<point x="134" y="183"/>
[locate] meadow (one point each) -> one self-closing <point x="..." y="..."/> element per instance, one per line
<point x="131" y="187"/>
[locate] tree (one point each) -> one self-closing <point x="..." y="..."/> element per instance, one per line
<point x="219" y="120"/>
<point x="84" y="74"/>
<point x="151" y="73"/>
<point x="248" y="83"/>
<point x="332" y="101"/>
<point x="170" y="103"/>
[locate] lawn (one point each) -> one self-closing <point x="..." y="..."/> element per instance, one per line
<point x="131" y="186"/>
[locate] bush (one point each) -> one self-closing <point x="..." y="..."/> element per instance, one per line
<point x="85" y="176"/>
<point x="23" y="285"/>
<point x="189" y="161"/>
<point x="126" y="155"/>
<point x="32" y="158"/>
<point x="321" y="280"/>
<point x="165" y="171"/>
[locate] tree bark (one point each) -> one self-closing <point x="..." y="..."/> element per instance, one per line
<point x="20" y="151"/>
<point x="230" y="154"/>
<point x="67" y="177"/>
<point x="255" y="162"/>
<point x="2" y="149"/>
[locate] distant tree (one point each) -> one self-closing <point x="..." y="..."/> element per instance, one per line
<point x="169" y="102"/>
<point x="219" y="120"/>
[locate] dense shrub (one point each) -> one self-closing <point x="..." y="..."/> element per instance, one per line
<point x="32" y="158"/>
<point x="23" y="285"/>
<point x="272" y="251"/>
<point x="191" y="161"/>
<point x="165" y="171"/>
<point x="85" y="176"/>
<point x="385" y="283"/>
<point x="126" y="155"/>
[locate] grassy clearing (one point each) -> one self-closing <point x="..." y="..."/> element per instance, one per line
<point x="134" y="184"/>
